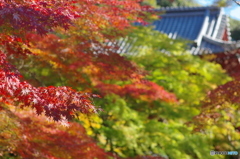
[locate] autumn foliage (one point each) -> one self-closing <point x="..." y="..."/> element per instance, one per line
<point x="35" y="137"/>
<point x="222" y="103"/>
<point x="67" y="92"/>
<point x="69" y="39"/>
<point x="22" y="17"/>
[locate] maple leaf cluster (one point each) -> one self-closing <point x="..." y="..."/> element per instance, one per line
<point x="20" y="18"/>
<point x="143" y="89"/>
<point x="35" y="15"/>
<point x="229" y="61"/>
<point x="225" y="97"/>
<point x="28" y="135"/>
<point x="56" y="102"/>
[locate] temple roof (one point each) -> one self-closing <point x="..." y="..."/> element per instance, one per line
<point x="207" y="27"/>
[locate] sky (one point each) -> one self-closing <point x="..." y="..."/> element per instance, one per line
<point x="232" y="11"/>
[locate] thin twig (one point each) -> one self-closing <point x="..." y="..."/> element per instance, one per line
<point x="238" y="3"/>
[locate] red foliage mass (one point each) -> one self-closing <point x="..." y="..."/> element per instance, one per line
<point x="227" y="93"/>
<point x="55" y="102"/>
<point x="41" y="17"/>
<point x="38" y="138"/>
<point x="229" y="61"/>
<point x="145" y="90"/>
<point x="35" y="15"/>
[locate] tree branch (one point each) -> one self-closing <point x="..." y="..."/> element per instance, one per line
<point x="238" y="3"/>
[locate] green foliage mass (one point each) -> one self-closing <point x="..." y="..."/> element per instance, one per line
<point x="131" y="127"/>
<point x="171" y="66"/>
<point x="235" y="29"/>
<point x="222" y="3"/>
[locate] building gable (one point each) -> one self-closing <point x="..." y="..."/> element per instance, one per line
<point x="207" y="27"/>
